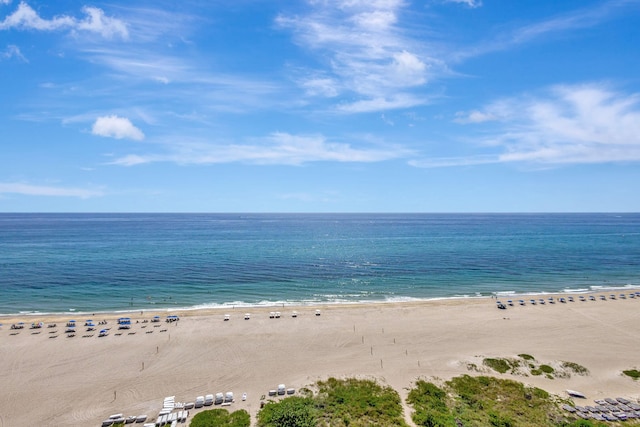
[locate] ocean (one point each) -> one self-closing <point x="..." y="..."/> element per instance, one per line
<point x="87" y="263"/>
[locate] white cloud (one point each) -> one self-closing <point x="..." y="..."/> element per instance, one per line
<point x="13" y="51"/>
<point x="470" y="3"/>
<point x="26" y="18"/>
<point x="116" y="127"/>
<point x="367" y="54"/>
<point x="97" y="22"/>
<point x="40" y="190"/>
<point x="381" y="104"/>
<point x="581" y="18"/>
<point x="5" y="1"/>
<point x="568" y="125"/>
<point x="474" y="117"/>
<point x="277" y="148"/>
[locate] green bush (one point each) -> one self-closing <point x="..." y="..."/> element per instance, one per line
<point x="357" y="402"/>
<point x="484" y="401"/>
<point x="633" y="373"/>
<point x="429" y="402"/>
<point x="290" y="412"/>
<point x="500" y="365"/>
<point x="526" y="356"/>
<point x="350" y="402"/>
<point x="575" y="367"/>
<point x="547" y="369"/>
<point x="221" y="418"/>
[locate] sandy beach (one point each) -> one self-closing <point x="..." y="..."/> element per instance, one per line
<point x="80" y="381"/>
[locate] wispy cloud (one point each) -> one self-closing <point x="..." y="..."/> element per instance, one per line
<point x="577" y="19"/>
<point x="471" y="3"/>
<point x="13" y="51"/>
<point x="95" y="21"/>
<point x="369" y="54"/>
<point x="116" y="127"/>
<point x="576" y="124"/>
<point x="277" y="148"/>
<point x="41" y="190"/>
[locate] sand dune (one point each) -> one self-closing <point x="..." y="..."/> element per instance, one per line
<point x="80" y="381"/>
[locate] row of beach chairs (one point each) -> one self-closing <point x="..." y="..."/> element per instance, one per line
<point x="613" y="410"/>
<point x="569" y="299"/>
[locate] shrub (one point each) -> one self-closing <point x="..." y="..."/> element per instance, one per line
<point x="633" y="373"/>
<point x="499" y="365"/>
<point x="575" y="367"/>
<point x="484" y="401"/>
<point x="290" y="412"/>
<point x="526" y="356"/>
<point x="429" y="402"/>
<point x="359" y="403"/>
<point x="221" y="418"/>
<point x="350" y="402"/>
<point x="547" y="369"/>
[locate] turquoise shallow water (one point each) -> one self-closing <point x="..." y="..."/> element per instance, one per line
<point x="112" y="262"/>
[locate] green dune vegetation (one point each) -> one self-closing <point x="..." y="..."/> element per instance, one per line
<point x="462" y="401"/>
<point x="221" y="418"/>
<point x="349" y="402"/>
<point x="633" y="373"/>
<point x="526" y="365"/>
<point x="487" y="401"/>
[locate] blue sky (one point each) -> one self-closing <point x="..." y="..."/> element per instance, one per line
<point x="320" y="106"/>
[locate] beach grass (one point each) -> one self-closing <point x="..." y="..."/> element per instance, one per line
<point x="487" y="401"/>
<point x="221" y="418"/>
<point x="501" y="365"/>
<point x="345" y="402"/>
<point x="633" y="373"/>
<point x="575" y="368"/>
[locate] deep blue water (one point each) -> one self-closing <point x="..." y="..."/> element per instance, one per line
<point x="107" y="262"/>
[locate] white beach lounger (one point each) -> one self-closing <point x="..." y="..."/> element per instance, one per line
<point x="574" y="393"/>
<point x="281" y="389"/>
<point x="208" y="400"/>
<point x="199" y="402"/>
<point x="317" y="312"/>
<point x="227" y="317"/>
<point x="247" y="316"/>
<point x="219" y="398"/>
